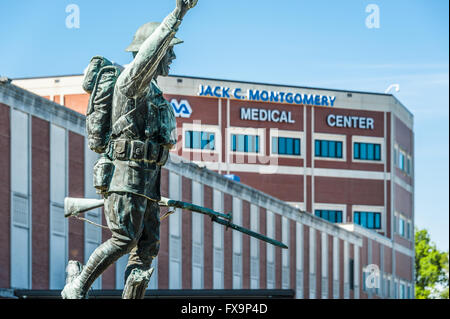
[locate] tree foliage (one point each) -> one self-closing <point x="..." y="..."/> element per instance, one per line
<point x="431" y="268"/>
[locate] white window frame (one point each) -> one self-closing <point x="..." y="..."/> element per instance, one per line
<point x="369" y="140"/>
<point x="261" y="132"/>
<point x="330" y="137"/>
<point x="327" y="206"/>
<point x="400" y="217"/>
<point x="372" y="209"/>
<point x="274" y="132"/>
<point x="202" y="128"/>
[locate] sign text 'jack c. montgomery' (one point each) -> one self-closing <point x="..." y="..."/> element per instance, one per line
<point x="266" y="96"/>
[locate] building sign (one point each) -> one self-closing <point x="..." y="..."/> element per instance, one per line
<point x="365" y="123"/>
<point x="262" y="115"/>
<point x="266" y="96"/>
<point x="182" y="108"/>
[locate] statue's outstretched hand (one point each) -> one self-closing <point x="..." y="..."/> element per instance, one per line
<point x="184" y="5"/>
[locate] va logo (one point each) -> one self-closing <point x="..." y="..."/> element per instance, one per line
<point x="181" y="109"/>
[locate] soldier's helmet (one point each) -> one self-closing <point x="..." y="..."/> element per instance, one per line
<point x="143" y="33"/>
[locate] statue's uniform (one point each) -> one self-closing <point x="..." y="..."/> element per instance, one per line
<point x="143" y="130"/>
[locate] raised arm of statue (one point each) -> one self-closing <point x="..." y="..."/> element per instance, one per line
<point x="136" y="77"/>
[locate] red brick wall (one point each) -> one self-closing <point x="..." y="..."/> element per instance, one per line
<point x="349" y="191"/>
<point x="403" y="201"/>
<point x="306" y="231"/>
<point x="5" y="195"/>
<point x="204" y="109"/>
<point x="77" y="102"/>
<point x="296" y="110"/>
<point x="330" y="266"/>
<point x="403" y="266"/>
<point x="40" y="171"/>
<point x="76" y="189"/>
<point x="284" y="187"/>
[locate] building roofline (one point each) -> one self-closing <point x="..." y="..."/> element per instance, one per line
<point x="248" y="82"/>
<point x="221" y="80"/>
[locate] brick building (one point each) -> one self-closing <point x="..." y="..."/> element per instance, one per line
<point x="328" y="172"/>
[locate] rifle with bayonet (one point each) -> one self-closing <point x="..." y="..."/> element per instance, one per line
<point x="73" y="207"/>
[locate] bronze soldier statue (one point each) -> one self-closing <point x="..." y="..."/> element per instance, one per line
<point x="141" y="133"/>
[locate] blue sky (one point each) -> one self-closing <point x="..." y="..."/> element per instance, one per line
<point x="321" y="43"/>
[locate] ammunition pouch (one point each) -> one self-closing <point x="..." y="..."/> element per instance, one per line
<point x="103" y="172"/>
<point x="148" y="151"/>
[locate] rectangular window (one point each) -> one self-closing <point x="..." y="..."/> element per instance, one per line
<point x="401" y="161"/>
<point x="329" y="149"/>
<point x="402" y="227"/>
<point x="332" y="216"/>
<point x="199" y="140"/>
<point x="369" y="220"/>
<point x="286" y="146"/>
<point x="367" y="151"/>
<point x="245" y="143"/>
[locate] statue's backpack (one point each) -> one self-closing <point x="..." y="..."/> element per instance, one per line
<point x="99" y="80"/>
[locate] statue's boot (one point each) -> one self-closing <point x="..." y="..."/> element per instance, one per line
<point x="137" y="283"/>
<point x="105" y="255"/>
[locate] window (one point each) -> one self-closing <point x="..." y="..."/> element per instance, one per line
<point x="408" y="230"/>
<point x="286" y="146"/>
<point x="332" y="216"/>
<point x="367" y="151"/>
<point x="403" y="161"/>
<point x="245" y="143"/>
<point x="402" y="227"/>
<point x="200" y="140"/>
<point x="330" y="149"/>
<point x="369" y="220"/>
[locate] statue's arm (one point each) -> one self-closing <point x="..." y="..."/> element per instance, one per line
<point x="137" y="76"/>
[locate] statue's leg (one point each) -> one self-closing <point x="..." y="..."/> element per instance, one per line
<point x="124" y="214"/>
<point x="138" y="272"/>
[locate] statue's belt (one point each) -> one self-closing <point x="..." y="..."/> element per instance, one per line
<point x="135" y="150"/>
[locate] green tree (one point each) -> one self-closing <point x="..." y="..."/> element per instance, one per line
<point x="431" y="268"/>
